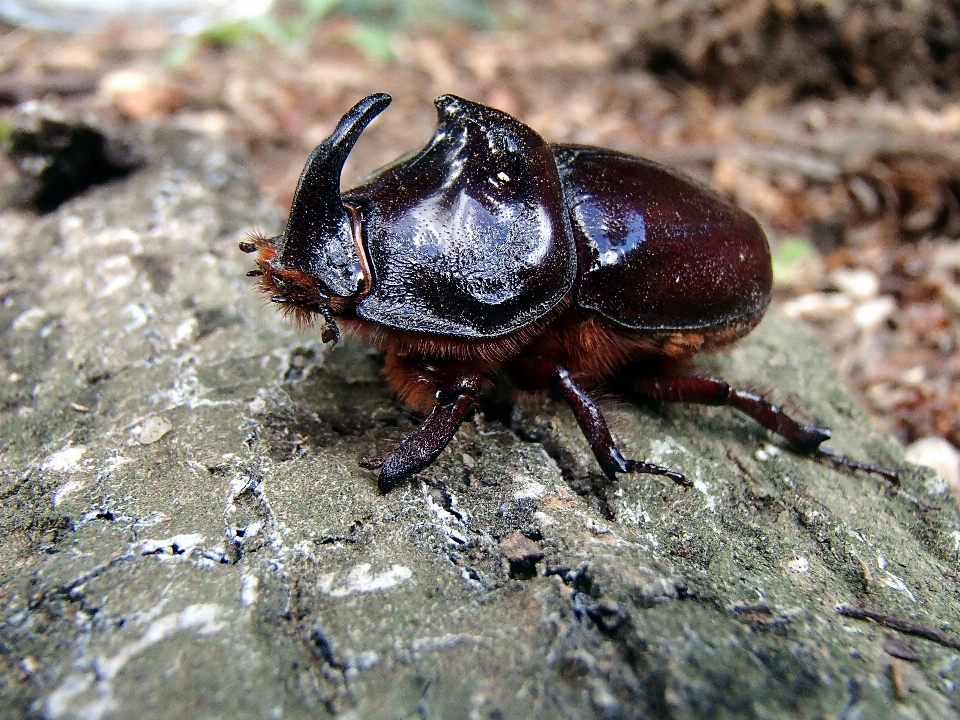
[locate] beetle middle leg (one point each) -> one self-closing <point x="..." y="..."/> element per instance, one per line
<point x="542" y="374"/>
<point x="455" y="395"/>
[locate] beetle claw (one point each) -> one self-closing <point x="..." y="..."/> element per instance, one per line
<point x="373" y="463"/>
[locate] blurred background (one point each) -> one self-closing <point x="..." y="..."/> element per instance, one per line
<point x="835" y="122"/>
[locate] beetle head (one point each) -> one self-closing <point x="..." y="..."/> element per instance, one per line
<point x="314" y="267"/>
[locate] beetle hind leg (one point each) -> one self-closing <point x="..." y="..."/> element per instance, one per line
<point x="713" y="391"/>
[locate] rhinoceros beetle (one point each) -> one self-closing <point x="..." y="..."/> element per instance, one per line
<point x="490" y="253"/>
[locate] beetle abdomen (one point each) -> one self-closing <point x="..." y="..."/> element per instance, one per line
<point x="469" y="237"/>
<point x="657" y="250"/>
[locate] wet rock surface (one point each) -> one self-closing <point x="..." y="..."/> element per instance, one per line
<point x="186" y="531"/>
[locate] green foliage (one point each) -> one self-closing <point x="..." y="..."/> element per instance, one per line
<point x="5" y="138"/>
<point x="373" y="41"/>
<point x="400" y="13"/>
<point x="790" y="254"/>
<point x="376" y="22"/>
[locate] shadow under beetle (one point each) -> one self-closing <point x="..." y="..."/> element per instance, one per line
<point x="490" y="253"/>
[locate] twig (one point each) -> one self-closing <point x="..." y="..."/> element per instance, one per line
<point x="910" y="627"/>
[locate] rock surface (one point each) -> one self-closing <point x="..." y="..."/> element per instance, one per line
<point x="186" y="531"/>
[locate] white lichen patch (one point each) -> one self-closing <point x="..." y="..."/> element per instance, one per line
<point x="767" y="452"/>
<point x="799" y="565"/>
<point x="116" y="272"/>
<point x="598" y="530"/>
<point x="661" y="452"/>
<point x="139" y="313"/>
<point x="112" y="464"/>
<point x="89" y="696"/>
<point x="895" y="583"/>
<point x="892" y="581"/>
<point x="29" y="319"/>
<point x="249" y="589"/>
<point x="527" y="487"/>
<point x="700" y="486"/>
<point x="442" y="642"/>
<point x="175" y="545"/>
<point x="257" y="406"/>
<point x="65" y="490"/>
<point x="452" y="525"/>
<point x="66" y="460"/>
<point x="184" y="331"/>
<point x="186" y="390"/>
<point x="359" y="580"/>
<point x="662" y="449"/>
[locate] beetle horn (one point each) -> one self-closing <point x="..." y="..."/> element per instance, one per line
<point x="318" y="239"/>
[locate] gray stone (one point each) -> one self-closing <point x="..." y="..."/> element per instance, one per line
<point x="186" y="531"/>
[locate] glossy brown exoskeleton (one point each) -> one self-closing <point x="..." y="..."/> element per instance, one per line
<point x="490" y="253"/>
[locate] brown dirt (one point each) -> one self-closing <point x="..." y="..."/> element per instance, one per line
<point x="836" y="122"/>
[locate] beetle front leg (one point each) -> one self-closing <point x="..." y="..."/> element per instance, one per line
<point x="415" y="452"/>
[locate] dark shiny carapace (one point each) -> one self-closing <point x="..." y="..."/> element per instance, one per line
<point x="491" y="254"/>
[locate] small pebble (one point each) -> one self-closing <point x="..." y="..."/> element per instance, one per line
<point x="914" y="376"/>
<point x="935" y="452"/>
<point x="873" y="313"/>
<point x="519" y="548"/>
<point x="818" y="306"/>
<point x="140" y="93"/>
<point x="151" y="430"/>
<point x="899" y="649"/>
<point x="858" y="283"/>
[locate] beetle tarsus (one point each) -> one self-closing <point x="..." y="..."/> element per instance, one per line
<point x="838" y="460"/>
<point x="645" y="468"/>
<point x="248" y="247"/>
